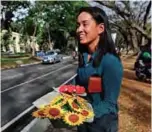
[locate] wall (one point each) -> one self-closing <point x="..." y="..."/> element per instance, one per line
<point x="15" y="46"/>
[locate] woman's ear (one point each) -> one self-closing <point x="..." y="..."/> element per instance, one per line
<point x="100" y="28"/>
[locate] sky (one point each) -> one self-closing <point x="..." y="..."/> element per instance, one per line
<point x="21" y="13"/>
<point x="93" y="3"/>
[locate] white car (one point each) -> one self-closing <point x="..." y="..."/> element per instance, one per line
<point x="51" y="57"/>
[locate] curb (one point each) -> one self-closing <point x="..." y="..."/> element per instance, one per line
<point x="67" y="57"/>
<point x="29" y="64"/>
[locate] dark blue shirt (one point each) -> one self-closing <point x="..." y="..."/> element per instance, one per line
<point x="111" y="72"/>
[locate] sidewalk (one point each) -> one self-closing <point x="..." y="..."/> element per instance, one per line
<point x="44" y="125"/>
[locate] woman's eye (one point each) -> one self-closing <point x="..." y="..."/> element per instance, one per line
<point x="85" y="24"/>
<point x="78" y="25"/>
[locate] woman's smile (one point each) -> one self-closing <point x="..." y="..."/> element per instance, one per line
<point x="82" y="36"/>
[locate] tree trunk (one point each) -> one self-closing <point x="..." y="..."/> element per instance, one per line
<point x="143" y="41"/>
<point x="134" y="41"/>
<point x="33" y="43"/>
<point x="33" y="49"/>
<point x="50" y="45"/>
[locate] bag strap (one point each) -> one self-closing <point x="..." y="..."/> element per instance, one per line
<point x="101" y="76"/>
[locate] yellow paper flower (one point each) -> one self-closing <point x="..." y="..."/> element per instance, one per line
<point x="39" y="113"/>
<point x="54" y="112"/>
<point x="79" y="99"/>
<point x="74" y="105"/>
<point x="83" y="103"/>
<point x="59" y="101"/>
<point x="87" y="113"/>
<point x="73" y="119"/>
<point x="67" y="95"/>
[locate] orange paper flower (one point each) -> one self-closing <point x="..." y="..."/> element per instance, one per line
<point x="87" y="113"/>
<point x="39" y="113"/>
<point x="74" y="105"/>
<point x="73" y="119"/>
<point x="54" y="112"/>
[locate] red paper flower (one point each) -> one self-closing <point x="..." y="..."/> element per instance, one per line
<point x="63" y="88"/>
<point x="72" y="89"/>
<point x="80" y="90"/>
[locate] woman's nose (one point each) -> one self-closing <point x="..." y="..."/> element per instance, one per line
<point x="80" y="29"/>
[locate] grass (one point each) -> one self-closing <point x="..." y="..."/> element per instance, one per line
<point x="16" y="60"/>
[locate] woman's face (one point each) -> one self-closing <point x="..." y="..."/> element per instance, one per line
<point x="87" y="29"/>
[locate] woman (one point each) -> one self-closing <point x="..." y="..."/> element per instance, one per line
<point x="97" y="57"/>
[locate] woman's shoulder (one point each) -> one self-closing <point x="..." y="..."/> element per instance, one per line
<point x="111" y="60"/>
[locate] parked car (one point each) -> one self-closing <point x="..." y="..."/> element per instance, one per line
<point x="51" y="57"/>
<point x="40" y="54"/>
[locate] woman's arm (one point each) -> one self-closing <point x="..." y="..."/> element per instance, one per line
<point x="112" y="77"/>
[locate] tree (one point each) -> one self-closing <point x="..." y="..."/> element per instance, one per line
<point x="54" y="21"/>
<point x="8" y="7"/>
<point x="48" y="21"/>
<point x="131" y="19"/>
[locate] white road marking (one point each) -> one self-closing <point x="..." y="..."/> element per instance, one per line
<point x="10" y="77"/>
<point x="35" y="79"/>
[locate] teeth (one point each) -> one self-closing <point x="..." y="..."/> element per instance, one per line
<point x="81" y="35"/>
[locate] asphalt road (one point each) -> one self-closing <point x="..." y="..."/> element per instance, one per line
<point x="22" y="86"/>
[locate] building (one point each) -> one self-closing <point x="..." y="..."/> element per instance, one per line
<point x="15" y="45"/>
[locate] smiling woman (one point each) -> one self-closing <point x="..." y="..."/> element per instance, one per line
<point x="86" y="35"/>
<point x="100" y="69"/>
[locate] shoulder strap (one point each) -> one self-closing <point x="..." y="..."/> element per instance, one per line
<point x="101" y="75"/>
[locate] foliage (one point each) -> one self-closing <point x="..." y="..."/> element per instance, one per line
<point x="49" y="21"/>
<point x="8" y="9"/>
<point x="14" y="5"/>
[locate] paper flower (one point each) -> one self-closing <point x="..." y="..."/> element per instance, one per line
<point x="59" y="100"/>
<point x="63" y="88"/>
<point x="73" y="119"/>
<point x="67" y="96"/>
<point x="39" y="113"/>
<point x="87" y="113"/>
<point x="82" y="100"/>
<point x="54" y="112"/>
<point x="72" y="89"/>
<point x="67" y="107"/>
<point x="74" y="105"/>
<point x="80" y="89"/>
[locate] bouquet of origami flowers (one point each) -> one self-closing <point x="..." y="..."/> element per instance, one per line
<point x="67" y="106"/>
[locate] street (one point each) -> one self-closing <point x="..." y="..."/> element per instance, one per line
<point x="21" y="86"/>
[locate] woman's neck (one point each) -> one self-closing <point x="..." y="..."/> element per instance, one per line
<point x="93" y="46"/>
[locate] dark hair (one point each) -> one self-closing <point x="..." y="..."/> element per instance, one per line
<point x="106" y="44"/>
